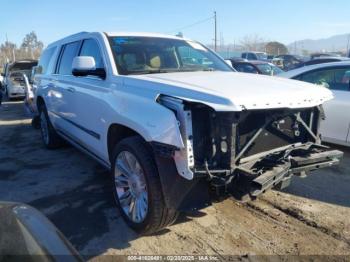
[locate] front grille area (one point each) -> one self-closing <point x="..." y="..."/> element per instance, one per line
<point x="220" y="137"/>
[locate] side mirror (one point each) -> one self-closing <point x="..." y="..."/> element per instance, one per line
<point x="228" y="61"/>
<point x="86" y="65"/>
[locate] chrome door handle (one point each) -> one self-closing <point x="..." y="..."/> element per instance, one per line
<point x="70" y="89"/>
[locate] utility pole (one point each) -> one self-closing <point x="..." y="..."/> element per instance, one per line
<point x="215" y="34"/>
<point x="347" y="47"/>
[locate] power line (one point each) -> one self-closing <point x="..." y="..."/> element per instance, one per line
<point x="191" y="25"/>
<point x="215" y="32"/>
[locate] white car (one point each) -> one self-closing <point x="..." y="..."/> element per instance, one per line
<point x="14" y="83"/>
<point x="336" y="77"/>
<point x="174" y="123"/>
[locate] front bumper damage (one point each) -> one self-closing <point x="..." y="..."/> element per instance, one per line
<point x="279" y="168"/>
<point x="242" y="154"/>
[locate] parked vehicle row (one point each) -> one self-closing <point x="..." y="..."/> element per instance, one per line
<point x="322" y="60"/>
<point x="256" y="67"/>
<point x="174" y="123"/>
<point x="289" y="62"/>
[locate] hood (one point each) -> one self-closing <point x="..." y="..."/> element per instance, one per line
<point x="22" y="65"/>
<point x="233" y="91"/>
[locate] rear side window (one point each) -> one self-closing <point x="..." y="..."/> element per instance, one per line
<point x="91" y="48"/>
<point x="45" y="60"/>
<point x="69" y="52"/>
<point x="246" y="68"/>
<point x="335" y="78"/>
<point x="251" y="56"/>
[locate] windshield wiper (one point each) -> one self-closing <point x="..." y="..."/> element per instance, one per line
<point x="159" y="71"/>
<point x="143" y="72"/>
<point x="208" y="69"/>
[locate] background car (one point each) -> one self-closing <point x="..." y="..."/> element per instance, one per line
<point x="254" y="56"/>
<point x="289" y="62"/>
<point x="13" y="80"/>
<point x="27" y="235"/>
<point x="329" y="54"/>
<point x="256" y="67"/>
<point x="335" y="76"/>
<point x="270" y="57"/>
<point x="321" y="60"/>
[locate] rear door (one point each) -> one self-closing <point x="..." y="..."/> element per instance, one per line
<point x="63" y="95"/>
<point x="44" y="77"/>
<point x="336" y="126"/>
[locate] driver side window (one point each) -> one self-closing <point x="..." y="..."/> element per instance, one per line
<point x="91" y="48"/>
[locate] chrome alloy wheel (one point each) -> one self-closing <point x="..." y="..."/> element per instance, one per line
<point x="44" y="127"/>
<point x="131" y="188"/>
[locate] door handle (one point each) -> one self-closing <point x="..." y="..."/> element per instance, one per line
<point x="70" y="89"/>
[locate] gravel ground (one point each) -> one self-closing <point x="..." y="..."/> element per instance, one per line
<point x="311" y="217"/>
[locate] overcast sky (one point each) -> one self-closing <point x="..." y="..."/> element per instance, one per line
<point x="284" y="21"/>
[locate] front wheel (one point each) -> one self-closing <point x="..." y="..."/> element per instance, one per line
<point x="137" y="187"/>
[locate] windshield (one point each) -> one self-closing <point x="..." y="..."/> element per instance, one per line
<point x="146" y="55"/>
<point x="261" y="56"/>
<point x="269" y="69"/>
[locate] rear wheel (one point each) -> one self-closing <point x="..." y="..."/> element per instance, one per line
<point x="137" y="188"/>
<point x="48" y="134"/>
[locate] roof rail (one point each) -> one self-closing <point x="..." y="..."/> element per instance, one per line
<point x="67" y="37"/>
<point x="77" y="34"/>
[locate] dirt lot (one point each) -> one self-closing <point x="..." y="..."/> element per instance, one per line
<point x="311" y="217"/>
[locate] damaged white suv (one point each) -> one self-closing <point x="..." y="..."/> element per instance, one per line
<point x="174" y="123"/>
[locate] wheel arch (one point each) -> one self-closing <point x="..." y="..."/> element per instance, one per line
<point x="117" y="132"/>
<point x="39" y="102"/>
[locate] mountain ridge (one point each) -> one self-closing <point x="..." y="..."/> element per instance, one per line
<point x="333" y="43"/>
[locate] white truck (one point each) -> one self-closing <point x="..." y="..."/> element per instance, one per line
<point x="175" y="124"/>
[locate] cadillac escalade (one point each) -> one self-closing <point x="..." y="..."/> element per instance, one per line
<point x="174" y="123"/>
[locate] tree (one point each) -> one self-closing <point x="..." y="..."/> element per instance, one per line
<point x="305" y="52"/>
<point x="31" y="46"/>
<point x="253" y="43"/>
<point x="8" y="51"/>
<point x="276" y="48"/>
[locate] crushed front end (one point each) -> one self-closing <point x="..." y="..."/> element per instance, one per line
<point x="248" y="152"/>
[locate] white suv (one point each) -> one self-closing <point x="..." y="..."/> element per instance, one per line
<point x="14" y="77"/>
<point x="174" y="123"/>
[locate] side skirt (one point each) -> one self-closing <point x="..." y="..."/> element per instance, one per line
<point x="84" y="149"/>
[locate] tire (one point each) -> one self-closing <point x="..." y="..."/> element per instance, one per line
<point x="49" y="136"/>
<point x="7" y="94"/>
<point x="156" y="215"/>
